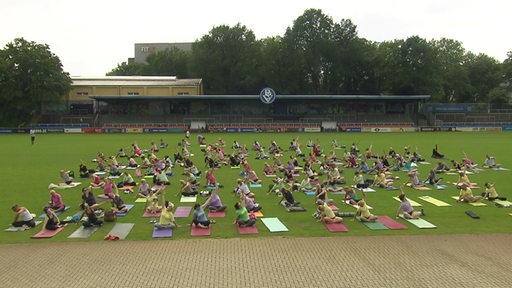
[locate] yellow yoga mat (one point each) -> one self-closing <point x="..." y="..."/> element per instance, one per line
<point x="434" y="201"/>
<point x="473" y="204"/>
<point x="413" y="203"/>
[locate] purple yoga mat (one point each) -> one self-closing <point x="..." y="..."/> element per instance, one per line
<point x="162" y="233"/>
<point x="182" y="211"/>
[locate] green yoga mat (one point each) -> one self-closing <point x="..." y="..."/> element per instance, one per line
<point x="504" y="203"/>
<point x="274" y="224"/>
<point x="375" y="225"/>
<point x="434" y="201"/>
<point x="420" y="223"/>
<point x="141" y="200"/>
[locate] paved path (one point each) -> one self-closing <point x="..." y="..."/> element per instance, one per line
<point x="344" y="261"/>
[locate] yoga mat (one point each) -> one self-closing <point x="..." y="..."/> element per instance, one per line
<point x="247" y="230"/>
<point x="255" y="185"/>
<point x="422" y="188"/>
<point x="121" y="230"/>
<point x="391" y="223"/>
<point x="188" y="199"/>
<point x="64" y="186"/>
<point x="391" y="188"/>
<point x="258" y="214"/>
<point x="151" y="215"/>
<point x="420" y="223"/>
<point x="182" y="211"/>
<point x="235" y="167"/>
<point x="162" y="233"/>
<point x="47" y="233"/>
<point x="128" y="208"/>
<point x="274" y="224"/>
<point x="140" y="200"/>
<point x="472" y="204"/>
<point x="19" y="229"/>
<point x="310" y="193"/>
<point x="196" y="231"/>
<point x="357" y="206"/>
<point x="57" y="213"/>
<point x="216" y="214"/>
<point x="503" y="202"/>
<point x="100" y="173"/>
<point x="375" y="225"/>
<point x="472" y="214"/>
<point x="434" y="201"/>
<point x="334" y="208"/>
<point x="335" y="227"/>
<point x="158" y="187"/>
<point x="271" y="175"/>
<point x="83" y="232"/>
<point x="501" y="169"/>
<point x="413" y="203"/>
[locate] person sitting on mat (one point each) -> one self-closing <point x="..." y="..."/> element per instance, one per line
<point x="56" y="202"/>
<point x="406" y="207"/>
<point x="187" y="189"/>
<point x="213" y="203"/>
<point x="107" y="189"/>
<point x="92" y="219"/>
<point x="251" y="206"/>
<point x="490" y="162"/>
<point x="466" y="195"/>
<point x="118" y="205"/>
<point x="143" y="189"/>
<point x="199" y="217"/>
<point x="381" y="181"/>
<point x="350" y="196"/>
<point x="66" y="177"/>
<point x="242" y="215"/>
<point x="23" y="217"/>
<point x="96" y="181"/>
<point x="287" y="199"/>
<point x="432" y="178"/>
<point x="127" y="181"/>
<point x="491" y="194"/>
<point x="161" y="178"/>
<point x="252" y="177"/>
<point x="414" y="179"/>
<point x="326" y="213"/>
<point x="436" y="153"/>
<point x="51" y="220"/>
<point x="363" y="211"/>
<point x="167" y="216"/>
<point x="152" y="202"/>
<point x="463" y="179"/>
<point x="243" y="188"/>
<point x="441" y="167"/>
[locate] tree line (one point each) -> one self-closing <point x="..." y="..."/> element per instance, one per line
<point x="319" y="56"/>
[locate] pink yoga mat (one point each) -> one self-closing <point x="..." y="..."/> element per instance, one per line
<point x="151" y="215"/>
<point x="336" y="227"/>
<point x="196" y="231"/>
<point x="182" y="211"/>
<point x="217" y="214"/>
<point x="334" y="208"/>
<point x="47" y="233"/>
<point x="391" y="223"/>
<point x="247" y="230"/>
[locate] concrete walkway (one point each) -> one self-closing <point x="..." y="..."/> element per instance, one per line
<point x="344" y="261"/>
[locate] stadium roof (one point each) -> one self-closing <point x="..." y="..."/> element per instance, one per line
<point x="134" y="81"/>
<point x="257" y="97"/>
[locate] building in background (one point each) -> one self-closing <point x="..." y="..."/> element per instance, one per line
<point x="143" y="50"/>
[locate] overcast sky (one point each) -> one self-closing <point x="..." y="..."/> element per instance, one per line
<point x="92" y="37"/>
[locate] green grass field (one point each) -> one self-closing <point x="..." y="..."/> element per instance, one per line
<point x="28" y="169"/>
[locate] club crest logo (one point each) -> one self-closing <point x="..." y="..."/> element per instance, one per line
<point x="267" y="95"/>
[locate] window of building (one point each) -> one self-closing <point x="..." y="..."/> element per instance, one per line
<point x="183" y="93"/>
<point x="133" y="93"/>
<point x="82" y="93"/>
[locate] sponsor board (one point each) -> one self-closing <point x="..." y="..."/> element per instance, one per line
<point x="351" y="129"/>
<point x="92" y="130"/>
<point x="133" y="130"/>
<point x="311" y="129"/>
<point x="73" y="130"/>
<point x="114" y="130"/>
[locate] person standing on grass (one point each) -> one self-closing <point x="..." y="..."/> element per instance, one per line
<point x="32" y="133"/>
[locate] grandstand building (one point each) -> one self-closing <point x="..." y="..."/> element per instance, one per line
<point x="143" y="50"/>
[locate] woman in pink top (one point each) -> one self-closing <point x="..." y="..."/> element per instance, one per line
<point x="56" y="201"/>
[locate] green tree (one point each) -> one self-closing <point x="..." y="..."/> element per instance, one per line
<point x="310" y="40"/>
<point x="170" y="62"/>
<point x="129" y="69"/>
<point x="226" y="59"/>
<point x="485" y="74"/>
<point x="30" y="77"/>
